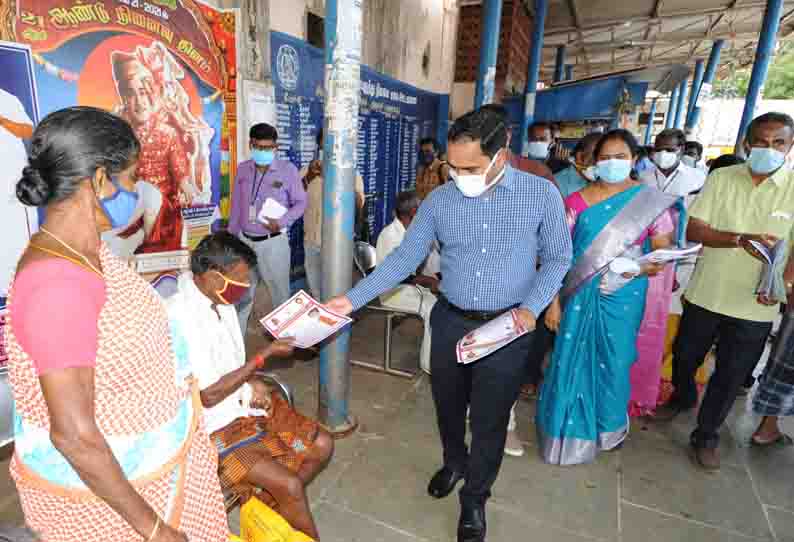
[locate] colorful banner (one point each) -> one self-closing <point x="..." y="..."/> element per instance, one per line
<point x="167" y="67"/>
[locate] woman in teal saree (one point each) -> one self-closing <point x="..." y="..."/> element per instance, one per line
<point x="583" y="403"/>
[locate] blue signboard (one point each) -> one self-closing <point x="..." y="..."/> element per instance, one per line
<point x="393" y="118"/>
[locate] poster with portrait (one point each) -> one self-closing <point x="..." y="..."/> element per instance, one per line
<point x="18" y="114"/>
<point x="167" y="67"/>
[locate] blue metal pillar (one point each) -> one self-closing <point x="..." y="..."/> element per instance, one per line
<point x="489" y="53"/>
<point x="668" y="122"/>
<point x="559" y="64"/>
<point x="443" y="122"/>
<point x="694" y="93"/>
<point x="763" y="56"/>
<point x="649" y="129"/>
<point x="342" y="87"/>
<point x="708" y="78"/>
<point x="569" y="72"/>
<point x="533" y="71"/>
<point x="679" y="109"/>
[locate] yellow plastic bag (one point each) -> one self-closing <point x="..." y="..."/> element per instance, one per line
<point x="259" y="523"/>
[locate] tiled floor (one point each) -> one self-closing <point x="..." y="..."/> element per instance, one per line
<point x="374" y="490"/>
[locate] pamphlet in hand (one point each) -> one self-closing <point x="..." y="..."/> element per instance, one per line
<point x="489" y="338"/>
<point x="303" y="320"/>
<point x="771" y="284"/>
<point x="666" y="255"/>
<point x="271" y="210"/>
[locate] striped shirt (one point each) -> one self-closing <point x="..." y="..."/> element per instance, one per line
<point x="489" y="246"/>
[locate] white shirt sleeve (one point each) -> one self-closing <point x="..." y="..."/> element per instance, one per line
<point x="388" y="240"/>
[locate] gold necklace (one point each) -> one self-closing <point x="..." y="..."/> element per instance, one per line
<point x="80" y="254"/>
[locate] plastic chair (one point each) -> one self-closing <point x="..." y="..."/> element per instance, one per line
<point x="365" y="259"/>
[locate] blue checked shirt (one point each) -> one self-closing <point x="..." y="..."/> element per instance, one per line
<point x="489" y="246"/>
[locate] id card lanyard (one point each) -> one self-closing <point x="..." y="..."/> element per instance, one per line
<point x="255" y="187"/>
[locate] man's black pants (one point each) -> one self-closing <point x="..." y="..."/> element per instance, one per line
<point x="740" y="344"/>
<point x="489" y="387"/>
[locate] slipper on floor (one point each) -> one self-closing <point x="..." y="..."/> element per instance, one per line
<point x="781" y="441"/>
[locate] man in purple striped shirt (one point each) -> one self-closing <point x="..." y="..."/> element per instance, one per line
<point x="258" y="180"/>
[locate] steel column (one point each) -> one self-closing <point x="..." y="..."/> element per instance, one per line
<point x="694" y="92"/>
<point x="533" y="71"/>
<point x="763" y="56"/>
<point x="668" y="123"/>
<point x="679" y="109"/>
<point x="489" y="53"/>
<point x="559" y="65"/>
<point x="649" y="129"/>
<point x="569" y="72"/>
<point x="708" y="78"/>
<point x="342" y="86"/>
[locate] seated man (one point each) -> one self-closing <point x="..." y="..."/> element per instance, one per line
<point x="273" y="448"/>
<point x="408" y="297"/>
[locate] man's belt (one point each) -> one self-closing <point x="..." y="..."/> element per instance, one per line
<point x="258" y="238"/>
<point x="479" y="316"/>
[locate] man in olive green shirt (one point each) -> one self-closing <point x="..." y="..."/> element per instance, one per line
<point x="739" y="204"/>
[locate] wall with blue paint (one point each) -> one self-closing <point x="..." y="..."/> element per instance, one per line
<point x="393" y="117"/>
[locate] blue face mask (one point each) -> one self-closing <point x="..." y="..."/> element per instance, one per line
<point x="613" y="171"/>
<point x="763" y="161"/>
<point x="263" y="157"/>
<point x="119" y="207"/>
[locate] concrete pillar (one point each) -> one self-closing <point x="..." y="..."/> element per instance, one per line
<point x="489" y="53"/>
<point x="763" y="56"/>
<point x="533" y="70"/>
<point x="342" y="86"/>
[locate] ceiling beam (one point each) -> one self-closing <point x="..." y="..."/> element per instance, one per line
<point x="645" y="18"/>
<point x="574" y="9"/>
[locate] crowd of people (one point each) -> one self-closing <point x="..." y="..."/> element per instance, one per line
<point x="554" y="236"/>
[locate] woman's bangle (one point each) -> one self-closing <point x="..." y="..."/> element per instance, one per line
<point x="259" y="361"/>
<point x="155" y="530"/>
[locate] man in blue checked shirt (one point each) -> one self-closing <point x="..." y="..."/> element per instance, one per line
<point x="493" y="224"/>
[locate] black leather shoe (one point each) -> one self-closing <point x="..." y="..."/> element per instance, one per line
<point x="471" y="527"/>
<point x="444" y="482"/>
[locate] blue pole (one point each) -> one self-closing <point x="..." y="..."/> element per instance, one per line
<point x="679" y="109"/>
<point x="533" y="71"/>
<point x="708" y="78"/>
<point x="569" y="72"/>
<point x="694" y="93"/>
<point x="559" y="64"/>
<point x="443" y="122"/>
<point x="763" y="56"/>
<point x="342" y="86"/>
<point x="668" y="123"/>
<point x="649" y="128"/>
<point x="489" y="53"/>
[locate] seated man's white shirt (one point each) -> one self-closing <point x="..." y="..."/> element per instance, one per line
<point x="408" y="297"/>
<point x="215" y="347"/>
<point x="405" y="296"/>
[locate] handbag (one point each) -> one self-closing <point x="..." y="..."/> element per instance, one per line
<point x="260" y="523"/>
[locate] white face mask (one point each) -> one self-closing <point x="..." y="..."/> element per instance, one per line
<point x="689" y="161"/>
<point x="473" y="186"/>
<point x="665" y="159"/>
<point x="538" y="149"/>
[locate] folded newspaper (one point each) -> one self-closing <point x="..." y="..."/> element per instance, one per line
<point x="666" y="255"/>
<point x="489" y="338"/>
<point x="304" y="320"/>
<point x="771" y="284"/>
<point x="622" y="270"/>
